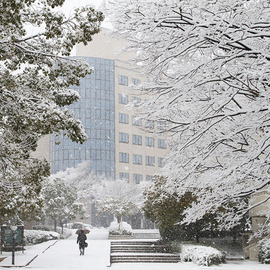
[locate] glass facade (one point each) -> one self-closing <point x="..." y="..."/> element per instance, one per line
<point x="96" y="111"/>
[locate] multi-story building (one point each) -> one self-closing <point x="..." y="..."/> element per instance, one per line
<point x="119" y="145"/>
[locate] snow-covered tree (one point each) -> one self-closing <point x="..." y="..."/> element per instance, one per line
<point x="60" y="202"/>
<point x="36" y="39"/>
<point x="20" y="197"/>
<point x="208" y="65"/>
<point x="81" y="177"/>
<point x="118" y="198"/>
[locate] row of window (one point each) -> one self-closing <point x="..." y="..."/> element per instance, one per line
<point x="137" y="140"/>
<point x="137" y="178"/>
<point x="76" y="154"/>
<point x="138" y="159"/>
<point x="136" y="121"/>
<point x="123" y="99"/>
<point x="123" y="80"/>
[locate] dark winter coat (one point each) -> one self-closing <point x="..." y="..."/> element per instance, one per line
<point x="81" y="239"/>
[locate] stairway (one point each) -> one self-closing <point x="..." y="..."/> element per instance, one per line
<point x="142" y="251"/>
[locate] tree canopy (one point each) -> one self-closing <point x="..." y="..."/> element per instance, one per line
<point x="118" y="198"/>
<point x="60" y="201"/>
<point x="36" y="39"/>
<point x="208" y="68"/>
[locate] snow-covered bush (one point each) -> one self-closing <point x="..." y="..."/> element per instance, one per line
<point x="264" y="250"/>
<point x="201" y="255"/>
<point x="38" y="236"/>
<point x="63" y="235"/>
<point x="122" y="228"/>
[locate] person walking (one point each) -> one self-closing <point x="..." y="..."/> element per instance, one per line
<point x="81" y="240"/>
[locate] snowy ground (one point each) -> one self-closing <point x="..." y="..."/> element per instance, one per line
<point x="64" y="254"/>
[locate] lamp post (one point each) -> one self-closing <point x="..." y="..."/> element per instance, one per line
<point x="13" y="229"/>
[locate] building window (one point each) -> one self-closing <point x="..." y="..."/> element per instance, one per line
<point x="136" y="81"/>
<point x="136" y="101"/>
<point x="137" y="139"/>
<point x="123" y="157"/>
<point x="162" y="144"/>
<point x="123" y="137"/>
<point x="137" y="159"/>
<point x="124" y="176"/>
<point x="123" y="99"/>
<point x="161" y="125"/>
<point x="122" y="80"/>
<point x="136" y="121"/>
<point x="160" y="162"/>
<point x="149" y="141"/>
<point x="150" y="161"/>
<point x="149" y="177"/>
<point x="149" y="124"/>
<point x="137" y="178"/>
<point x="123" y="118"/>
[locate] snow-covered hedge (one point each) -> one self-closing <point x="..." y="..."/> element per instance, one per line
<point x="38" y="236"/>
<point x="264" y="250"/>
<point x="66" y="232"/>
<point x="201" y="255"/>
<point x="125" y="229"/>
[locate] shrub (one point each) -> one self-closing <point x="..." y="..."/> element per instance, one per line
<point x="66" y="232"/>
<point x="201" y="255"/>
<point x="38" y="236"/>
<point x="264" y="250"/>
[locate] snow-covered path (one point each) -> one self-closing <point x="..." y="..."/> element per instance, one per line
<point x="64" y="254"/>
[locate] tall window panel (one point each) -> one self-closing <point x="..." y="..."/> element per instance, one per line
<point x="123" y="157"/>
<point x="123" y="118"/>
<point x="150" y="124"/>
<point x="162" y="143"/>
<point x="150" y="161"/>
<point x="137" y="178"/>
<point x="136" y="121"/>
<point x="137" y="139"/>
<point x="122" y="80"/>
<point x="161" y="162"/>
<point x="123" y="137"/>
<point x="124" y="176"/>
<point x="137" y="159"/>
<point x="149" y="141"/>
<point x="123" y="99"/>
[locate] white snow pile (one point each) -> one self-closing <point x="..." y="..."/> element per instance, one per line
<point x="201" y="255"/>
<point x="264" y="251"/>
<point x="38" y="236"/>
<point x="120" y="229"/>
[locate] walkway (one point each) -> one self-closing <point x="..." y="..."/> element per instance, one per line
<point x="64" y="254"/>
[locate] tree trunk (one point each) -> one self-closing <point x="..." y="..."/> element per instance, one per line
<point x="55" y="225"/>
<point x="119" y="220"/>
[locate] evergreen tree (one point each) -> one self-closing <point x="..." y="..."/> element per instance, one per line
<point x="36" y="39"/>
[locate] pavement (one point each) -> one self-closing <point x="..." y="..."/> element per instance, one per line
<point x="36" y="255"/>
<point x="24" y="258"/>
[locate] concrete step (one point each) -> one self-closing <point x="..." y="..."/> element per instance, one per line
<point x="147" y="258"/>
<point x="142" y="251"/>
<point x="132" y="243"/>
<point x="141" y="248"/>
